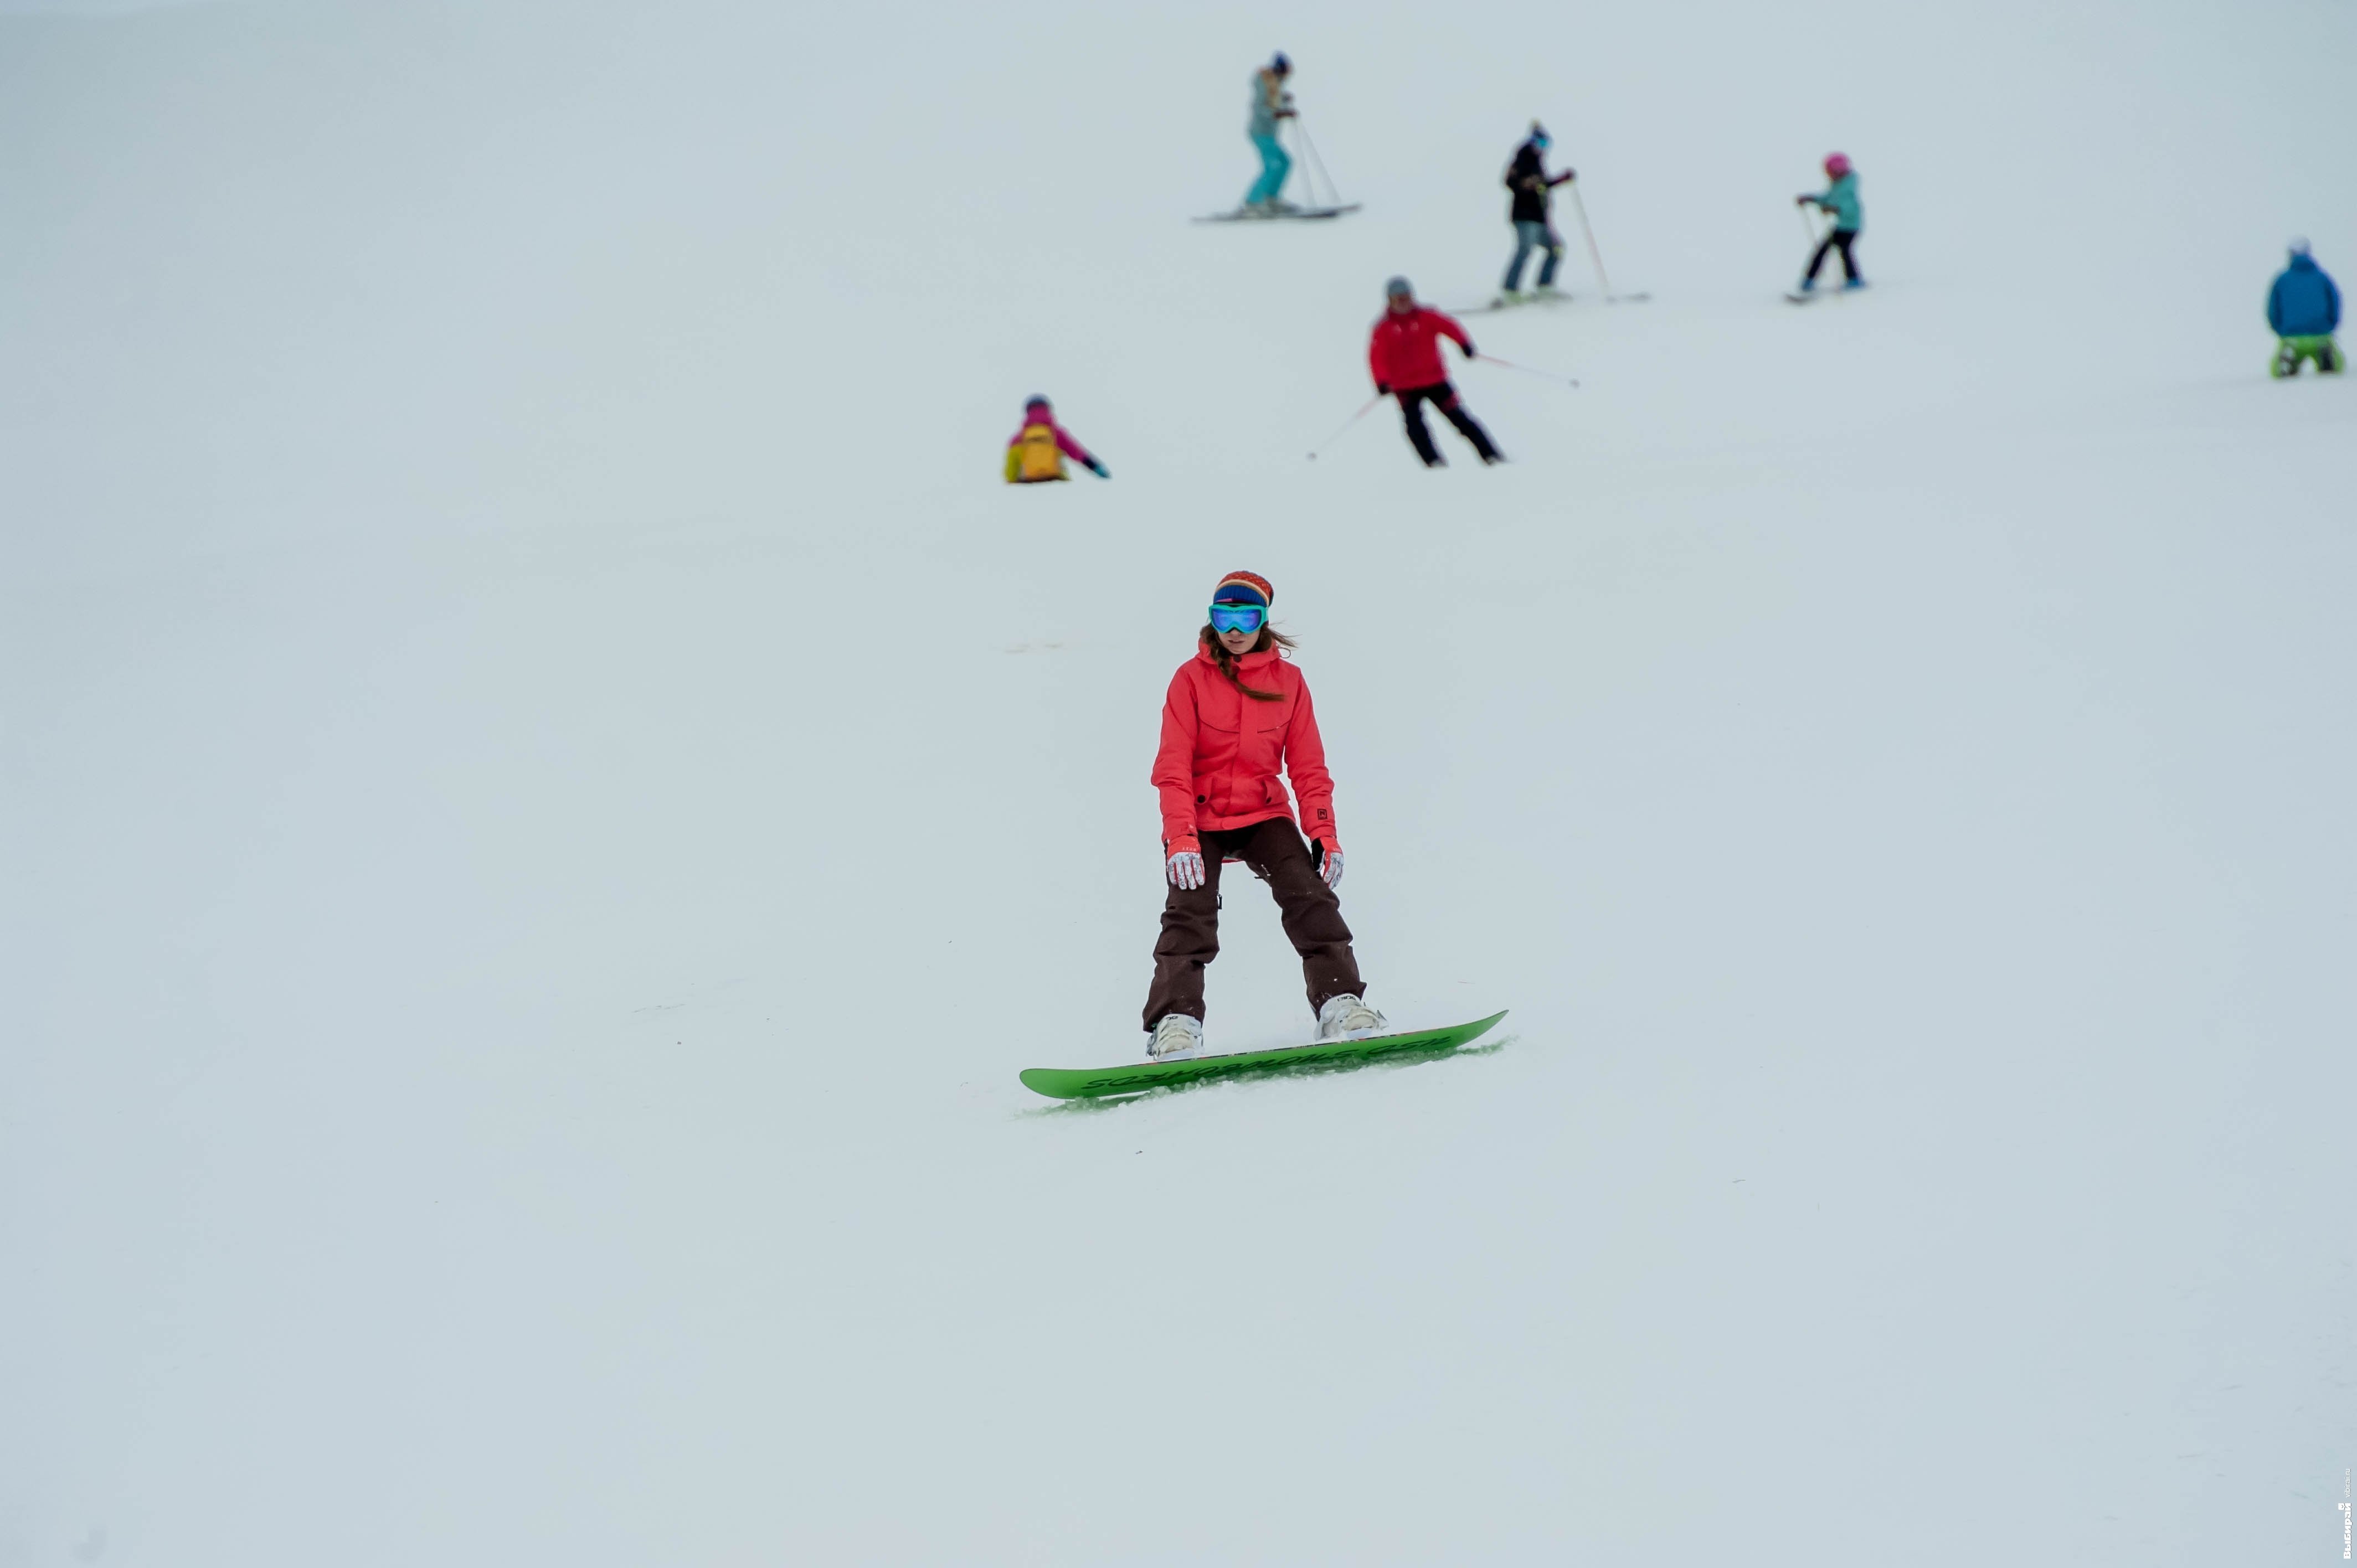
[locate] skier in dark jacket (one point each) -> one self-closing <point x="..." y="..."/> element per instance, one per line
<point x="1534" y="190"/>
<point x="2305" y="310"/>
<point x="1404" y="355"/>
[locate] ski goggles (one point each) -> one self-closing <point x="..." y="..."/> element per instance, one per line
<point x="1239" y="618"/>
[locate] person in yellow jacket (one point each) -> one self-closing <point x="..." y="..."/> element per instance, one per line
<point x="1037" y="454"/>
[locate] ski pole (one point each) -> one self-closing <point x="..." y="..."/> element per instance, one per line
<point x="1346" y="427"/>
<point x="1308" y="164"/>
<point x="1593" y="254"/>
<point x="1809" y="261"/>
<point x="1588" y="229"/>
<point x="1801" y="209"/>
<point x="1333" y="192"/>
<point x="1543" y="375"/>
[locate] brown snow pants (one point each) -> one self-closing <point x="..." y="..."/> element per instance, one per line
<point x="1274" y="853"/>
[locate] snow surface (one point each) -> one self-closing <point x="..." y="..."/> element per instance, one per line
<point x="550" y="791"/>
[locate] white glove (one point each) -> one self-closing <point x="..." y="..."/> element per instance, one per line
<point x="1332" y="869"/>
<point x="1186" y="870"/>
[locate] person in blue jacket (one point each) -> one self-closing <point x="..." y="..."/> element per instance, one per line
<point x="2305" y="310"/>
<point x="1839" y="199"/>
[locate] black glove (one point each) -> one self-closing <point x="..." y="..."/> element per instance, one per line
<point x="1383" y="389"/>
<point x="1471" y="353"/>
<point x="1098" y="469"/>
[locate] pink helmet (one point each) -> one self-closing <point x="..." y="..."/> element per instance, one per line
<point x="1837" y="164"/>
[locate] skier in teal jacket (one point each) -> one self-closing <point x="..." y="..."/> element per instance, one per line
<point x="1270" y="103"/>
<point x="1840" y="199"/>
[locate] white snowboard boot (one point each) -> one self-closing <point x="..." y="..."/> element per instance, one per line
<point x="1348" y="1018"/>
<point x="1175" y="1038"/>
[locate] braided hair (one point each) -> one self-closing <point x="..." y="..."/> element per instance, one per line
<point x="1269" y="638"/>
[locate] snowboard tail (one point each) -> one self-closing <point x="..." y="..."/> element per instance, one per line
<point x="1137" y="1077"/>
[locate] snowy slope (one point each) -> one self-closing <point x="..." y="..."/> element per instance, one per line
<point x="549" y="792"/>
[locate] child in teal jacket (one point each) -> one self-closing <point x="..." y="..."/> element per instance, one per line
<point x="1840" y="199"/>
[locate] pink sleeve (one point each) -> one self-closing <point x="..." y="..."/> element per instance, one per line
<point x="1174" y="767"/>
<point x="1305" y="763"/>
<point x="1073" y="449"/>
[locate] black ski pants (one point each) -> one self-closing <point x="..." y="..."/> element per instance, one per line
<point x="1444" y="398"/>
<point x="1838" y="239"/>
<point x="1274" y="853"/>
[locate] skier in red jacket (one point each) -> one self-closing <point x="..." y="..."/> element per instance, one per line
<point x="1404" y="355"/>
<point x="1236" y="714"/>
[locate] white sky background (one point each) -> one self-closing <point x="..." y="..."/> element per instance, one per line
<point x="549" y="791"/>
<point x="90" y="8"/>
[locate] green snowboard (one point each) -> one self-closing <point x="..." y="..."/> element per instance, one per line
<point x="1137" y="1077"/>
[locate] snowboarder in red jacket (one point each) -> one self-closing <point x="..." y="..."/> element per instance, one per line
<point x="1236" y="716"/>
<point x="1405" y="356"/>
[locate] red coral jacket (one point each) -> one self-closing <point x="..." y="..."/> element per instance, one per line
<point x="1404" y="351"/>
<point x="1217" y="767"/>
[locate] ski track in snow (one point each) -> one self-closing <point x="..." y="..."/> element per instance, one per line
<point x="550" y="791"/>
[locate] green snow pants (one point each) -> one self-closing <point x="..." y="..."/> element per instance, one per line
<point x="2321" y="349"/>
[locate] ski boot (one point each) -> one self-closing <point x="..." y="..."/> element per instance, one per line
<point x="1175" y="1038"/>
<point x="1808" y="285"/>
<point x="1850" y="285"/>
<point x="1348" y="1018"/>
<point x="1512" y="296"/>
<point x="1546" y="291"/>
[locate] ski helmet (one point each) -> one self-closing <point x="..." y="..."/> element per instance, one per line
<point x="2299" y="245"/>
<point x="1837" y="164"/>
<point x="1279" y="64"/>
<point x="1399" y="288"/>
<point x="1036" y="399"/>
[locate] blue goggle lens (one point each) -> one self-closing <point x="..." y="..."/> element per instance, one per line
<point x="1238" y="618"/>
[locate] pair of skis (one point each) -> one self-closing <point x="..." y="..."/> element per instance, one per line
<point x="1548" y="296"/>
<point x="1542" y="301"/>
<point x="1313" y="171"/>
<point x="1278" y="215"/>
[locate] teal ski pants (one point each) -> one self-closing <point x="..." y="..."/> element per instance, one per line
<point x="1275" y="164"/>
